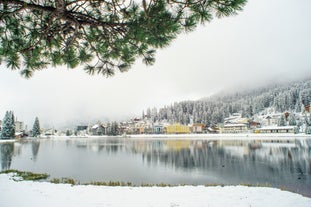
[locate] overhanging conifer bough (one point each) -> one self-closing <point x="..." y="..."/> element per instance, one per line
<point x="101" y="35"/>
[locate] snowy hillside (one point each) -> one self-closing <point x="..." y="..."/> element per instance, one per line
<point x="293" y="98"/>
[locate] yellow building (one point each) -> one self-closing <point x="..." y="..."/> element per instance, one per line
<point x="177" y="129"/>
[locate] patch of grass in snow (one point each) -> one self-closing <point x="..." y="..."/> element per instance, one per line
<point x="257" y="185"/>
<point x="110" y="183"/>
<point x="63" y="181"/>
<point x="38" y="176"/>
<point x="212" y="185"/>
<point x="129" y="184"/>
<point x="158" y="185"/>
<point x="27" y="175"/>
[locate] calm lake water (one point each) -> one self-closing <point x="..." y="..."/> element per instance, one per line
<point x="283" y="163"/>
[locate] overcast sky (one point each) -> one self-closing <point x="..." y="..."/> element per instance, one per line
<point x="270" y="40"/>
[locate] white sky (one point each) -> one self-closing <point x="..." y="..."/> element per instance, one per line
<point x="270" y="40"/>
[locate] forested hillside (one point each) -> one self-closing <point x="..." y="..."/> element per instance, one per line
<point x="292" y="97"/>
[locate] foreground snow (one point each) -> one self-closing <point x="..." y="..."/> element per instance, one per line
<point x="33" y="194"/>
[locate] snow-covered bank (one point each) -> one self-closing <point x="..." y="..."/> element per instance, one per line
<point x="28" y="193"/>
<point x="223" y="136"/>
<point x="249" y="136"/>
<point x="7" y="140"/>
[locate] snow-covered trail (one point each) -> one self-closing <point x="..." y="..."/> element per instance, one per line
<point x="38" y="194"/>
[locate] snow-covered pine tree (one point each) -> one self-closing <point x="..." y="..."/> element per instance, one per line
<point x="292" y="120"/>
<point x="68" y="132"/>
<point x="308" y="124"/>
<point x="8" y="126"/>
<point x="36" y="128"/>
<point x="114" y="128"/>
<point x="12" y="128"/>
<point x="5" y="126"/>
<point x="282" y="121"/>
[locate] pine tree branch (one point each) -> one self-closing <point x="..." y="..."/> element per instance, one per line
<point x="26" y="5"/>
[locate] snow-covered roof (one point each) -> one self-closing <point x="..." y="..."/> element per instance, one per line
<point x="95" y="126"/>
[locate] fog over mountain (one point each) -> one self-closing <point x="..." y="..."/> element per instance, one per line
<point x="294" y="97"/>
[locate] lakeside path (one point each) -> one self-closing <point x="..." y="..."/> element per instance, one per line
<point x="38" y="194"/>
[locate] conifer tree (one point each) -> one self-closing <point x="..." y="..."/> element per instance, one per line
<point x="308" y="124"/>
<point x="5" y="126"/>
<point x="114" y="128"/>
<point x="12" y="128"/>
<point x="36" y="128"/>
<point x="8" y="126"/>
<point x="68" y="132"/>
<point x="101" y="35"/>
<point x="292" y="120"/>
<point x="282" y="121"/>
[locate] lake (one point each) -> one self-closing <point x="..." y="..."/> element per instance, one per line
<point x="280" y="163"/>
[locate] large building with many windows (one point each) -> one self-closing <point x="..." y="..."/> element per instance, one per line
<point x="277" y="129"/>
<point x="177" y="129"/>
<point x="19" y="126"/>
<point x="234" y="128"/>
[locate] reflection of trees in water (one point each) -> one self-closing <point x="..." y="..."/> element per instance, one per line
<point x="274" y="164"/>
<point x="99" y="145"/>
<point x="112" y="146"/>
<point x="6" y="151"/>
<point x="35" y="149"/>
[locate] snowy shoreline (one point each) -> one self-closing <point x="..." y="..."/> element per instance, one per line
<point x="222" y="136"/>
<point x="36" y="193"/>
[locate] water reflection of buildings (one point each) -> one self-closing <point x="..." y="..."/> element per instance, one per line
<point x="98" y="145"/>
<point x="239" y="161"/>
<point x="232" y="161"/>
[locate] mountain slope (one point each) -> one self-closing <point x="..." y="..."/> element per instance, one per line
<point x="291" y="97"/>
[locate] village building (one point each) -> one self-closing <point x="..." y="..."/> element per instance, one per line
<point x="213" y="130"/>
<point x="50" y="132"/>
<point x="236" y="118"/>
<point x="177" y="129"/>
<point x="98" y="129"/>
<point x="81" y="130"/>
<point x="19" y="126"/>
<point x="234" y="128"/>
<point x="254" y="125"/>
<point x="276" y="129"/>
<point x="158" y="129"/>
<point x="197" y="128"/>
<point x="272" y="119"/>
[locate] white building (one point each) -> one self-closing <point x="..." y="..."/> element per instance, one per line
<point x="276" y="129"/>
<point x="19" y="126"/>
<point x="234" y="128"/>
